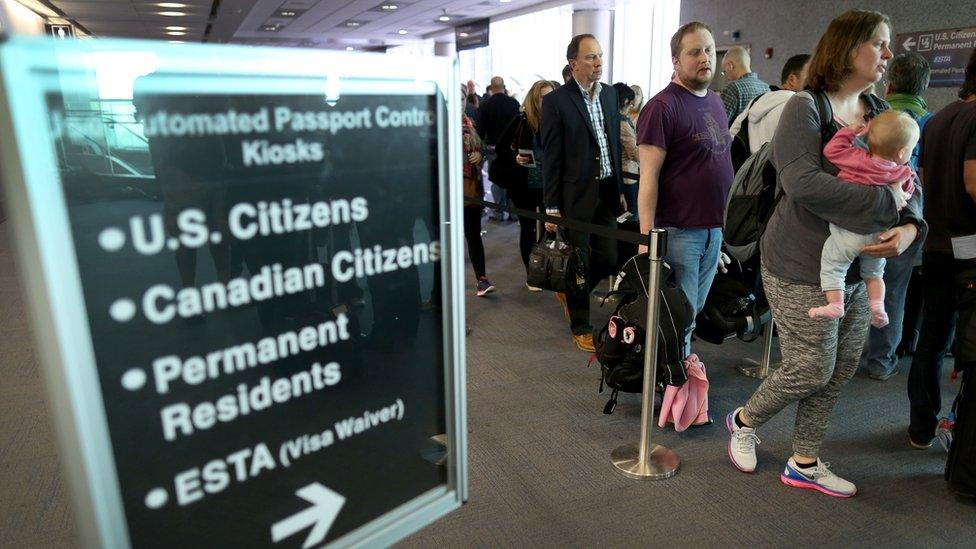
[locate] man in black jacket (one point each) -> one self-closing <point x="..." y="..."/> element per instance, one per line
<point x="581" y="169"/>
<point x="494" y="115"/>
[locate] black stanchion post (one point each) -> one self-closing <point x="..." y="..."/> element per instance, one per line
<point x="644" y="460"/>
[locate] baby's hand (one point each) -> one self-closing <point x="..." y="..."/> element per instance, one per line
<point x="857" y="127"/>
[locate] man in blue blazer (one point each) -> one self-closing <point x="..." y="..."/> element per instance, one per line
<point x="581" y="170"/>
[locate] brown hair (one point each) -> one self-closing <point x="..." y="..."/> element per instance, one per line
<point x="890" y="132"/>
<point x="679" y="34"/>
<point x="831" y="62"/>
<point x="532" y="105"/>
<point x="572" y="50"/>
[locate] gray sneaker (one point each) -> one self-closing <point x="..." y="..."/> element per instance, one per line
<point x="818" y="478"/>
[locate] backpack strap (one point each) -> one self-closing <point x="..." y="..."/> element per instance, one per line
<point x="743" y="132"/>
<point x="826" y="114"/>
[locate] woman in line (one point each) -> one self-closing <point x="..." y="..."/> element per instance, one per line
<point x="628" y="145"/>
<point x="820" y="357"/>
<point x="529" y="197"/>
<point x="474" y="188"/>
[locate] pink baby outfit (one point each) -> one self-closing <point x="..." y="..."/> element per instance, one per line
<point x="857" y="165"/>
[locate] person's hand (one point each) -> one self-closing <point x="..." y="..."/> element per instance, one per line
<point x="474" y="157"/>
<point x="523" y="159"/>
<point x="893" y="242"/>
<point x="857" y="126"/>
<point x="723" y="262"/>
<point x="623" y="203"/>
<point x="642" y="249"/>
<point x="551" y="227"/>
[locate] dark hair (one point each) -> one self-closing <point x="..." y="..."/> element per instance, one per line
<point x="679" y="34"/>
<point x="572" y="51"/>
<point x="908" y="73"/>
<point x="969" y="86"/>
<point x="624" y="92"/>
<point x="794" y="65"/>
<point x="831" y="62"/>
<point x="567" y="73"/>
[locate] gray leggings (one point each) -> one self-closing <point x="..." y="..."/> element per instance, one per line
<point x="819" y="356"/>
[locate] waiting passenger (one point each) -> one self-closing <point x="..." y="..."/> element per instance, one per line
<point x="763" y="116"/>
<point x="474" y="188"/>
<point x="529" y="197"/>
<point x="628" y="146"/>
<point x="638" y="104"/>
<point x="948" y="171"/>
<point x="820" y="357"/>
<point x="686" y="165"/>
<point x="742" y="84"/>
<point x="582" y="171"/>
<point x="908" y="78"/>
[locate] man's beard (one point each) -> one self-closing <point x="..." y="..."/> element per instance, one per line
<point x="695" y="82"/>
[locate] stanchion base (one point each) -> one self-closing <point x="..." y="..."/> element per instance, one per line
<point x="751" y="368"/>
<point x="661" y="464"/>
<point x="434" y="450"/>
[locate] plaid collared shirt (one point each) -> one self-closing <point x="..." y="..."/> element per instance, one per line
<point x="595" y="108"/>
<point x="738" y="94"/>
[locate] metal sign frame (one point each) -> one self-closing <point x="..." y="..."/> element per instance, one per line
<point x="50" y="274"/>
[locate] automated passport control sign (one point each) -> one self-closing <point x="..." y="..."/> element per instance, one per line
<point x="244" y="285"/>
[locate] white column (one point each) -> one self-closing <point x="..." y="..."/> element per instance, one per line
<point x="599" y="23"/>
<point x="445" y="49"/>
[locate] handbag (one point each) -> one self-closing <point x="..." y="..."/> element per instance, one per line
<point x="555" y="265"/>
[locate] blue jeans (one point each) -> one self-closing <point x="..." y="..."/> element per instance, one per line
<point x="693" y="254"/>
<point x="630" y="195"/>
<point x="879" y="358"/>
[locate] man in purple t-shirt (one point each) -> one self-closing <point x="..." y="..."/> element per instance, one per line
<point x="686" y="168"/>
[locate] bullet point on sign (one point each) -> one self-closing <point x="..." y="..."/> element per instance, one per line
<point x="215" y="237"/>
<point x="122" y="310"/>
<point x="173" y="243"/>
<point x="134" y="379"/>
<point x="156" y="498"/>
<point x="111" y="239"/>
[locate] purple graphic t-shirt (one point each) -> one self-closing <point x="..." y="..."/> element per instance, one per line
<point x="697" y="171"/>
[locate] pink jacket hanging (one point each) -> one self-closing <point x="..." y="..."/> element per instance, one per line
<point x="687" y="405"/>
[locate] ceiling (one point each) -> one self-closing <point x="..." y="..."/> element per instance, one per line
<point x="362" y="24"/>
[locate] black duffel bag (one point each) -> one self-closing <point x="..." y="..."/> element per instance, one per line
<point x="555" y="265"/>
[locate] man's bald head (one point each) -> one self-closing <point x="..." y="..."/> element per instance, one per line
<point x="497" y="84"/>
<point x="736" y="63"/>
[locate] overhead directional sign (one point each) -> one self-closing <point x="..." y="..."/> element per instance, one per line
<point x="946" y="50"/>
<point x="244" y="267"/>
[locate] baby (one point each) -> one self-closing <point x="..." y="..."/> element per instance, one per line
<point x="891" y="137"/>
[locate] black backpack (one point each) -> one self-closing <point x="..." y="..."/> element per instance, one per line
<point x="753" y="196"/>
<point x="735" y="306"/>
<point x="620" y="343"/>
<point x="740" y="141"/>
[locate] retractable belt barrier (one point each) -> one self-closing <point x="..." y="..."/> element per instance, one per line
<point x="616" y="234"/>
<point x="642" y="460"/>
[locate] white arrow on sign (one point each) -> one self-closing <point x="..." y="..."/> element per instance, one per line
<point x="325" y="507"/>
<point x="909" y="42"/>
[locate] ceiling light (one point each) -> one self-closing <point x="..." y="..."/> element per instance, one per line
<point x="175" y="28"/>
<point x="463" y="34"/>
<point x="350" y="48"/>
<point x="504" y="1"/>
<point x="170" y="5"/>
<point x="389" y="7"/>
<point x="172" y="13"/>
<point x="176" y="33"/>
<point x="402" y="31"/>
<point x="177" y="42"/>
<point x="353" y="24"/>
<point x="444" y="18"/>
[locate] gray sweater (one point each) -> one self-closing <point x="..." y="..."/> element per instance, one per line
<point x="814" y="196"/>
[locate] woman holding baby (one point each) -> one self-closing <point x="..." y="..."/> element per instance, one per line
<point x="821" y="352"/>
